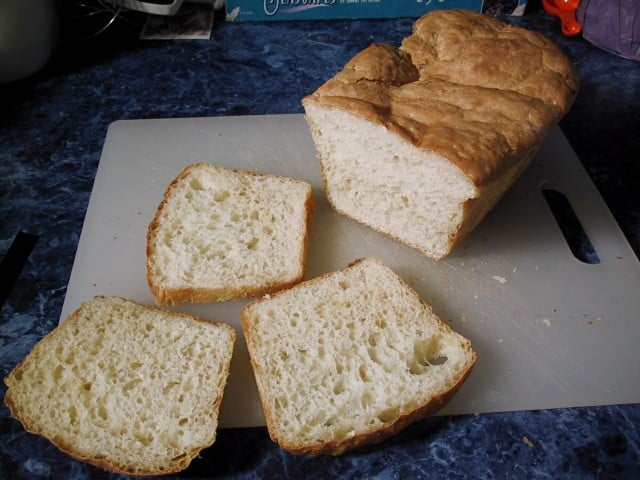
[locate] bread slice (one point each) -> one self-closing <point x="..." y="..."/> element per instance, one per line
<point x="222" y="234"/>
<point x="420" y="142"/>
<point x="350" y="358"/>
<point x="132" y="389"/>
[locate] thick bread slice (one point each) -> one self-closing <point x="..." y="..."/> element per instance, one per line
<point x="350" y="358"/>
<point x="420" y="142"/>
<point x="126" y="387"/>
<point x="222" y="234"/>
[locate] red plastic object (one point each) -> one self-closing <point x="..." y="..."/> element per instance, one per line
<point x="565" y="10"/>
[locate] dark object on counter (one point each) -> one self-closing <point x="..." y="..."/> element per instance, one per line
<point x="613" y="25"/>
<point x="14" y="261"/>
<point x="28" y="36"/>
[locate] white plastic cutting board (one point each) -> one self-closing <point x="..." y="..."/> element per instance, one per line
<point x="549" y="330"/>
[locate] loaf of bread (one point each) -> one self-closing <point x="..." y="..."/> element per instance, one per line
<point x="421" y="141"/>
<point x="129" y="388"/>
<point x="349" y="358"/>
<point x="221" y="234"/>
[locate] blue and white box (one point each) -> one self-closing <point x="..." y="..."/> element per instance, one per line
<point x="278" y="10"/>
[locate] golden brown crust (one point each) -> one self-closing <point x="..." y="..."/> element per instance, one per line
<point x="105" y="464"/>
<point x="177" y="296"/>
<point x="381" y="433"/>
<point x="464" y="85"/>
<point x="161" y="297"/>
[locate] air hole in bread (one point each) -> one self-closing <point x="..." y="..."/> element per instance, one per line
<point x="253" y="243"/>
<point x="188" y="386"/>
<point x="373" y="353"/>
<point x="188" y="351"/>
<point x="366" y="400"/>
<point x="382" y="322"/>
<point x="73" y="414"/>
<point x="222" y="196"/>
<point x="364" y="375"/>
<point x="95" y="347"/>
<point x="316" y="419"/>
<point x="439" y="360"/>
<point x="144" y="439"/>
<point x="131" y="384"/>
<point x="426" y="354"/>
<point x="177" y="458"/>
<point x="423" y="350"/>
<point x="103" y="413"/>
<point x="343" y="433"/>
<point x="282" y="402"/>
<point x="389" y="414"/>
<point x="57" y="373"/>
<point x="330" y="421"/>
<point x="196" y="184"/>
<point x="352" y="335"/>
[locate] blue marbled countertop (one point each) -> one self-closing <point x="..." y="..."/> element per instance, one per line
<point x="52" y="127"/>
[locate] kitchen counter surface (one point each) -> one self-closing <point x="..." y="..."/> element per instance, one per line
<point x="53" y="125"/>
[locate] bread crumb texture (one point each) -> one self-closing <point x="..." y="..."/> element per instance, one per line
<point x="129" y="388"/>
<point x="349" y="358"/>
<point x="221" y="234"/>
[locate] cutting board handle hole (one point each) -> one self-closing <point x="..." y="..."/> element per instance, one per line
<point x="570" y="226"/>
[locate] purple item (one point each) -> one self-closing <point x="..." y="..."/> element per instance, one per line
<point x="613" y="25"/>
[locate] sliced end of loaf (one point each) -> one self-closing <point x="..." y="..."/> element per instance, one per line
<point x="387" y="124"/>
<point x="380" y="180"/>
<point x="222" y="234"/>
<point x="132" y="389"/>
<point x="350" y="358"/>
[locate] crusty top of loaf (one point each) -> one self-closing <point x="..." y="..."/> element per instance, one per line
<point x="463" y="85"/>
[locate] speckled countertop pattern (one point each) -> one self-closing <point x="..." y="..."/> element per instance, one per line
<point x="52" y="127"/>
